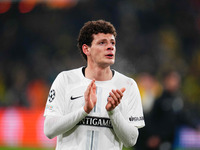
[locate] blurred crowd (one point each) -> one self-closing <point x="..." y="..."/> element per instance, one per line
<point x="165" y="112"/>
<point x="153" y="36"/>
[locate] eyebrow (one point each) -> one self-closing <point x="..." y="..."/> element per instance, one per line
<point x="106" y="40"/>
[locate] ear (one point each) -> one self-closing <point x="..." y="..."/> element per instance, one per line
<point x="85" y="49"/>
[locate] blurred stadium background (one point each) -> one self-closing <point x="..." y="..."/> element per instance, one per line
<point x="38" y="40"/>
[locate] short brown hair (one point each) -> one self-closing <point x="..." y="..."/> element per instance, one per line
<point x="93" y="27"/>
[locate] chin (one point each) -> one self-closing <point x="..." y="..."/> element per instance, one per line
<point x="107" y="64"/>
<point x="111" y="62"/>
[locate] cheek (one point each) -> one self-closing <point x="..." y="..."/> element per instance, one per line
<point x="95" y="56"/>
<point x="115" y="50"/>
<point x="97" y="53"/>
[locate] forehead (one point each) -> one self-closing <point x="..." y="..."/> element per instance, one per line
<point x="101" y="36"/>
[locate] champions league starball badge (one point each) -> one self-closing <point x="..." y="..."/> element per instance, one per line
<point x="51" y="96"/>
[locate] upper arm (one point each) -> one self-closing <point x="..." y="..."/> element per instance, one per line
<point x="56" y="97"/>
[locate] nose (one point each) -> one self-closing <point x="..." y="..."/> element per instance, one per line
<point x="110" y="46"/>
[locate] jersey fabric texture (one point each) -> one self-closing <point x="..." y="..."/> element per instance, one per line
<point x="95" y="131"/>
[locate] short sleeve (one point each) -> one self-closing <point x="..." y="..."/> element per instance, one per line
<point x="56" y="97"/>
<point x="135" y="110"/>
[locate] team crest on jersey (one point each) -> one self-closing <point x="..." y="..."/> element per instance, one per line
<point x="52" y="95"/>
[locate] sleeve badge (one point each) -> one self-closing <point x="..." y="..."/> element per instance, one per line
<point x="52" y="95"/>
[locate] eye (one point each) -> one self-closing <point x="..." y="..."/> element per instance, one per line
<point x="113" y="43"/>
<point x="101" y="43"/>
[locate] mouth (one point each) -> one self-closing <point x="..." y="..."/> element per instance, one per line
<point x="110" y="56"/>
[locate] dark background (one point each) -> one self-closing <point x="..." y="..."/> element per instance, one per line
<point x="40" y="42"/>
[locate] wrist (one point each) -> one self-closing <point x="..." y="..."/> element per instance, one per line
<point x="114" y="111"/>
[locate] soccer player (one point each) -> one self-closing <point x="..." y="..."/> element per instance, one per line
<point x="94" y="107"/>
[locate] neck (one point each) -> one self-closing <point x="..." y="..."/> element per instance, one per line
<point x="99" y="74"/>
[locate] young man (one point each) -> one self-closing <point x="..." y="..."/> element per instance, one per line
<point x="94" y="107"/>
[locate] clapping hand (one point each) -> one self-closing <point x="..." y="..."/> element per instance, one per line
<point x="90" y="97"/>
<point x="114" y="99"/>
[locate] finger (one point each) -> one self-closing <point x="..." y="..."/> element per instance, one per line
<point x="112" y="94"/>
<point x="93" y="81"/>
<point x="93" y="93"/>
<point x="117" y="95"/>
<point x="88" y="90"/>
<point x="109" y="106"/>
<point x="122" y="90"/>
<point x="91" y="84"/>
<point x="113" y="100"/>
<point x="93" y="87"/>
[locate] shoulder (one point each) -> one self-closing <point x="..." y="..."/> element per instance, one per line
<point x="70" y="72"/>
<point x="121" y="78"/>
<point x="70" y="75"/>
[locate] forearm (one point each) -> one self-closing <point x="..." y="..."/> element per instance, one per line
<point x="55" y="125"/>
<point x="125" y="131"/>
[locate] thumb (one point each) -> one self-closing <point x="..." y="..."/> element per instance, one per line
<point x="122" y="90"/>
